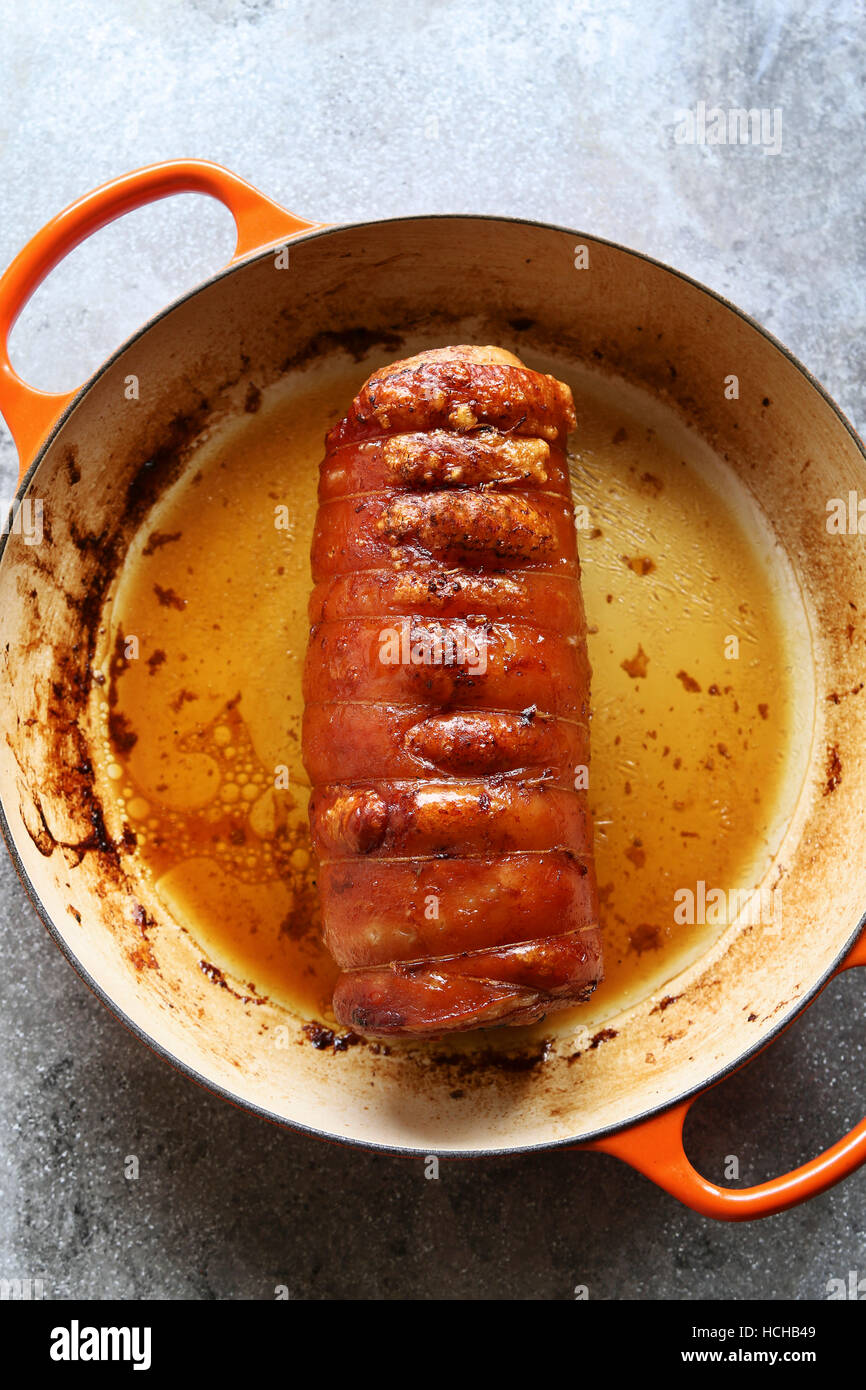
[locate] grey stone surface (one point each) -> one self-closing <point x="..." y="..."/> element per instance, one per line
<point x="563" y="112"/>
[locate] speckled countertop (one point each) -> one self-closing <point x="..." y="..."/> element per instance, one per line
<point x="566" y="112"/>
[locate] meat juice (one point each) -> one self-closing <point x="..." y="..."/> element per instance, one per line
<point x="698" y="740"/>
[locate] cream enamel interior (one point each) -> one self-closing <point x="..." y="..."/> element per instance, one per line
<point x="367" y="288"/>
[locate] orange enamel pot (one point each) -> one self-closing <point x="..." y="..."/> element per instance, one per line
<point x="368" y="284"/>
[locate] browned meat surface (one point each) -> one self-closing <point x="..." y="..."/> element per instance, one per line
<point x="447" y="700"/>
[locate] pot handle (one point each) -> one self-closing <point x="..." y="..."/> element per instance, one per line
<point x="655" y="1148"/>
<point x="29" y="413"/>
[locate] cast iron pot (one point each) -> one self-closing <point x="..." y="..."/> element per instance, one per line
<point x="97" y="466"/>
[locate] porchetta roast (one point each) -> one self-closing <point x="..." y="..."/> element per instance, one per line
<point x="446" y="689"/>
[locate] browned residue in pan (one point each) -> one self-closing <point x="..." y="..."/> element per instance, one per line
<point x="215" y="975"/>
<point x="834" y="770"/>
<point x="65" y="774"/>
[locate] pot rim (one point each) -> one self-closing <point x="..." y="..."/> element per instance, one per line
<point x="136" y="1029"/>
